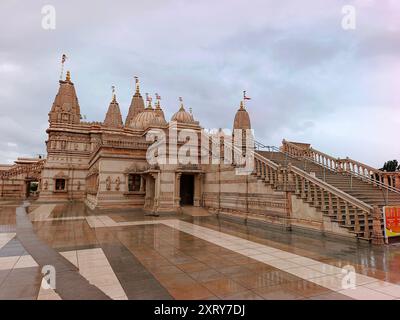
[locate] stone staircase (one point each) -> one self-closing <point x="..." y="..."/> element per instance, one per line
<point x="351" y="200"/>
<point x="362" y="190"/>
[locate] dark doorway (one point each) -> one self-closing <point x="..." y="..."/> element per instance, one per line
<point x="32" y="189"/>
<point x="187" y="189"/>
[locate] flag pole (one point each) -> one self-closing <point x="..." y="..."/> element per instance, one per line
<point x="63" y="58"/>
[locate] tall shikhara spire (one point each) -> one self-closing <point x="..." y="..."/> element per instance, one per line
<point x="113" y="117"/>
<point x="137" y="103"/>
<point x="65" y="107"/>
<point x="242" y="118"/>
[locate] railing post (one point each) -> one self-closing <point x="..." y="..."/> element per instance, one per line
<point x="316" y="196"/>
<point x="296" y="183"/>
<point x="377" y="233"/>
<point x="385" y="180"/>
<point x="303" y="187"/>
<point x="263" y="165"/>
<point x="339" y="216"/>
<point x="366" y="225"/>
<point x="309" y="196"/>
<point x="323" y="206"/>
<point x="267" y="174"/>
<point x="356" y="220"/>
<point x="397" y="180"/>
<point x="280" y="176"/>
<point x="330" y="206"/>
<point x="347" y="214"/>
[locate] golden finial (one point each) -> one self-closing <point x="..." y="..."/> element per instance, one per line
<point x="181" y="101"/>
<point x="158" y="104"/>
<point x="68" y="77"/>
<point x="114" y="98"/>
<point x="245" y="97"/>
<point x="148" y="99"/>
<point x="63" y="58"/>
<point x="137" y="85"/>
<point x="241" y="105"/>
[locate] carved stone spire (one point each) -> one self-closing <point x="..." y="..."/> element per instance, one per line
<point x="137" y="103"/>
<point x="65" y="107"/>
<point x="113" y="117"/>
<point x="242" y="118"/>
<point x="158" y="109"/>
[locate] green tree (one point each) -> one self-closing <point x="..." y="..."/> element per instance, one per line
<point x="391" y="166"/>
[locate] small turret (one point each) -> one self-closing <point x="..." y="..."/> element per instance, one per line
<point x="65" y="107"/>
<point x="242" y="118"/>
<point x="113" y="117"/>
<point x="137" y="104"/>
<point x="158" y="108"/>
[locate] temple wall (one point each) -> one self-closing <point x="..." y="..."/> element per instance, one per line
<point x="75" y="184"/>
<point x="223" y="189"/>
<point x="14" y="188"/>
<point x="167" y="197"/>
<point x="114" y="193"/>
<point x="248" y="199"/>
<point x="308" y="218"/>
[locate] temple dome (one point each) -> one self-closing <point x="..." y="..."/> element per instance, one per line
<point x="147" y="118"/>
<point x="242" y="119"/>
<point x="182" y="116"/>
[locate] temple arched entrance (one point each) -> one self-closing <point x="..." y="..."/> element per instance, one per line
<point x="186" y="189"/>
<point x="31" y="188"/>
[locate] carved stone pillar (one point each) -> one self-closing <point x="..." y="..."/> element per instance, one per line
<point x="177" y="190"/>
<point x="141" y="189"/>
<point x="197" y="190"/>
<point x="148" y="198"/>
<point x="288" y="224"/>
<point x="377" y="234"/>
<point x="157" y="186"/>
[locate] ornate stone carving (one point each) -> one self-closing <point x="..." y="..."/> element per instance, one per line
<point x="137" y="168"/>
<point x="377" y="233"/>
<point x="117" y="183"/>
<point x="108" y="183"/>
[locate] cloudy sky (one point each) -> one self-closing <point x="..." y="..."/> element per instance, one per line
<point x="310" y="80"/>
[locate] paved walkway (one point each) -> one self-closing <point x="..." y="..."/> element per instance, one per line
<point x="123" y="254"/>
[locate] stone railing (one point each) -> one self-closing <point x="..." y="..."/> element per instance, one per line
<point x="267" y="170"/>
<point x="340" y="206"/>
<point x="388" y="180"/>
<point x="22" y="169"/>
<point x="293" y="149"/>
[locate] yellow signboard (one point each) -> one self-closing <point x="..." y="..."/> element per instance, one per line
<point x="392" y="221"/>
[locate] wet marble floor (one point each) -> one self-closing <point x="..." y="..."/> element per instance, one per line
<point x="125" y="254"/>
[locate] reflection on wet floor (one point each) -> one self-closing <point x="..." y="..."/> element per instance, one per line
<point x="124" y="254"/>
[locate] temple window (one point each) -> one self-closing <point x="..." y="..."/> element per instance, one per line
<point x="60" y="184"/>
<point x="134" y="182"/>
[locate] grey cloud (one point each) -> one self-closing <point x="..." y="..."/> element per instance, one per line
<point x="296" y="63"/>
